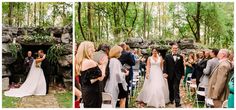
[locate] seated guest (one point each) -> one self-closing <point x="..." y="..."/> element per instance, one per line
<point x="218" y="89"/>
<point x="116" y="84"/>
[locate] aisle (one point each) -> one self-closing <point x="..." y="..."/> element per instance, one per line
<point x="185" y="102"/>
<point x="47" y="101"/>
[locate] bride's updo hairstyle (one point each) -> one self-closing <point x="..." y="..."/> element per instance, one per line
<point x="83" y="52"/>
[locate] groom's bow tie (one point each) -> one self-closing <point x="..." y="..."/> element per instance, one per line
<point x="174" y="54"/>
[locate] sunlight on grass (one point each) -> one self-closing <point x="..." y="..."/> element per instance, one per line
<point x="64" y="99"/>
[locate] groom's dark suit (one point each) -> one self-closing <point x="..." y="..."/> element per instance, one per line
<point x="175" y="71"/>
<point x="45" y="66"/>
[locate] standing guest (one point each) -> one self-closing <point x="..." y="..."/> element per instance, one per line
<point x="77" y="87"/>
<point x="231" y="82"/>
<point x="28" y="62"/>
<point x="207" y="54"/>
<point x="90" y="75"/>
<point x="199" y="66"/>
<point x="189" y="66"/>
<point x="127" y="58"/>
<point x="101" y="57"/>
<point x="116" y="84"/>
<point x="211" y="64"/>
<point x="137" y="63"/>
<point x="174" y="70"/>
<point x="218" y="89"/>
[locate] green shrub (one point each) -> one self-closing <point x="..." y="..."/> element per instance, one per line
<point x="14" y="48"/>
<point x="55" y="52"/>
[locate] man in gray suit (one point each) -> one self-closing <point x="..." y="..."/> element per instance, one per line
<point x="211" y="64"/>
<point x="218" y="89"/>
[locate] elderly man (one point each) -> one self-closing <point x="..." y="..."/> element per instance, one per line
<point x="218" y="89"/>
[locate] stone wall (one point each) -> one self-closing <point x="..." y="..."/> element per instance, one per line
<point x="60" y="35"/>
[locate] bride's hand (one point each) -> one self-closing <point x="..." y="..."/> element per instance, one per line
<point x="147" y="76"/>
<point x="165" y="75"/>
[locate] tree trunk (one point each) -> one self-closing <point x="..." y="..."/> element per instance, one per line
<point x="144" y="19"/>
<point x="28" y="15"/>
<point x="18" y="13"/>
<point x="198" y="22"/>
<point x="10" y="13"/>
<point x="79" y="20"/>
<point x="40" y="13"/>
<point x="90" y="23"/>
<point x="43" y="14"/>
<point x="159" y="21"/>
<point x="35" y="18"/>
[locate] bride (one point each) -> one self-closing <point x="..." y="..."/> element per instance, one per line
<point x="35" y="83"/>
<point x="155" y="88"/>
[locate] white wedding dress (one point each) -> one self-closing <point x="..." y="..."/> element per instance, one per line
<point x="35" y="84"/>
<point x="155" y="89"/>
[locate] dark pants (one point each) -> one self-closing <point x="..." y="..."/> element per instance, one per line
<point x="46" y="75"/>
<point x="174" y="90"/>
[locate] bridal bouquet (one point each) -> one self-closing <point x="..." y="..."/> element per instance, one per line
<point x="38" y="64"/>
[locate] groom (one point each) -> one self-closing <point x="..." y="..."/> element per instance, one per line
<point x="45" y="66"/>
<point x="174" y="71"/>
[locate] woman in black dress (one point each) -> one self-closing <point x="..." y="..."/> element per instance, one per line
<point x="90" y="75"/>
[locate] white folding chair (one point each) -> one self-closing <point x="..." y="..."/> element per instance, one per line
<point x="200" y="93"/>
<point x="225" y="104"/>
<point x="107" y="100"/>
<point x="81" y="104"/>
<point x="209" y="102"/>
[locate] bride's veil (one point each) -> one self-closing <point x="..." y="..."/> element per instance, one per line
<point x="32" y="68"/>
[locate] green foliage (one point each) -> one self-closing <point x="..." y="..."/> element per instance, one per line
<point x="14" y="48"/>
<point x="37" y="14"/>
<point x="55" y="52"/>
<point x="64" y="99"/>
<point x="163" y="21"/>
<point x="9" y="102"/>
<point x="38" y="38"/>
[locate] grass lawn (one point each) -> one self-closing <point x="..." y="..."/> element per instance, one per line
<point x="64" y="99"/>
<point x="9" y="102"/>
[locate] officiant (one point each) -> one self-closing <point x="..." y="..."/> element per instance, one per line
<point x="28" y="62"/>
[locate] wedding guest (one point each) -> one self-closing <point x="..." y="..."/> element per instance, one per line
<point x="101" y="57"/>
<point x="218" y="89"/>
<point x="189" y="65"/>
<point x="211" y="64"/>
<point x="137" y="63"/>
<point x="199" y="65"/>
<point x="90" y="75"/>
<point x="207" y="54"/>
<point x="116" y="84"/>
<point x="28" y="62"/>
<point x="231" y="82"/>
<point x="127" y="58"/>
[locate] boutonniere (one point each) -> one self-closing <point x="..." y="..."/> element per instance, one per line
<point x="178" y="58"/>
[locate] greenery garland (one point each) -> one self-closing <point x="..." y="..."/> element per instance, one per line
<point x="38" y="38"/>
